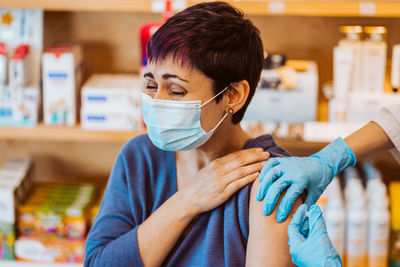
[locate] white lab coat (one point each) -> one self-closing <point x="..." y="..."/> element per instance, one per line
<point x="389" y="120"/>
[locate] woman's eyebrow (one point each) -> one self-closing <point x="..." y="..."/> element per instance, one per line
<point x="167" y="76"/>
<point x="148" y="74"/>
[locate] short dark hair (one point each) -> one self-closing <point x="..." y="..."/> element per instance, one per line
<point x="216" y="39"/>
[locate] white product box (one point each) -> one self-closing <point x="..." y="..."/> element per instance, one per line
<point x="292" y="106"/>
<point x="16" y="173"/>
<point x="21" y="113"/>
<point x="112" y="102"/>
<point x="62" y="75"/>
<point x="22" y="37"/>
<point x="112" y="89"/>
<point x="110" y="119"/>
<point x="7" y="202"/>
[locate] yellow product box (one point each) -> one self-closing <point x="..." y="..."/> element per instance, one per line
<point x="394" y="258"/>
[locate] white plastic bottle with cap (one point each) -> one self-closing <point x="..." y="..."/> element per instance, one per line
<point x="378" y="229"/>
<point x="356" y="234"/>
<point x="352" y="180"/>
<point x="373" y="177"/>
<point x="356" y="220"/>
<point x="335" y="220"/>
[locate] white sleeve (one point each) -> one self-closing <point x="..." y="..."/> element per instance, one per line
<point x="388" y="119"/>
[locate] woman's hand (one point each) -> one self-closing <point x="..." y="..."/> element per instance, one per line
<point x="220" y="179"/>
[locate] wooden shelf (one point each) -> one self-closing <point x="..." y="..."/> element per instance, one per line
<point x="67" y="134"/>
<point x="29" y="264"/>
<point x="330" y="8"/>
<point x="81" y="5"/>
<point x="327" y="8"/>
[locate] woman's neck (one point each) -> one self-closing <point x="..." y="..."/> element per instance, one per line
<point x="226" y="139"/>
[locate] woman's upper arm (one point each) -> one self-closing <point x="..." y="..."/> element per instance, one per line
<point x="114" y="231"/>
<point x="268" y="239"/>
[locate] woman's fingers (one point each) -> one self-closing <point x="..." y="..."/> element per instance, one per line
<point x="243" y="172"/>
<point x="241" y="158"/>
<point x="239" y="183"/>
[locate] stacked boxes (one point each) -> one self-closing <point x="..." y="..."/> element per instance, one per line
<point x="112" y="102"/>
<point x="20" y="52"/>
<point x="53" y="223"/>
<point x="18" y="100"/>
<point x="62" y="76"/>
<point x="15" y="183"/>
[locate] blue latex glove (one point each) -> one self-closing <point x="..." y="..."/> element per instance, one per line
<point x="313" y="173"/>
<point x="316" y="248"/>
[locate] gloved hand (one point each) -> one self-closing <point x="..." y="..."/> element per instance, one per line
<point x="316" y="248"/>
<point x="313" y="173"/>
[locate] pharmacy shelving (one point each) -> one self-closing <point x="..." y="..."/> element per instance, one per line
<point x="77" y="134"/>
<point x="321" y="8"/>
<point x="29" y="264"/>
<point x="267" y="7"/>
<point x="81" y="5"/>
<point x="67" y="134"/>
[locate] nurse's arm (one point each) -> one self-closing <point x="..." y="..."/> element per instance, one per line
<point x="368" y="140"/>
<point x="268" y="239"/>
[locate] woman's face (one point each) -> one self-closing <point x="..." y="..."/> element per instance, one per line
<point x="169" y="80"/>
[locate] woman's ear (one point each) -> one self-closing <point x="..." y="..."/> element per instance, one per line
<point x="237" y="95"/>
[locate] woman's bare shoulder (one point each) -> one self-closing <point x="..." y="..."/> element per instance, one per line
<point x="268" y="240"/>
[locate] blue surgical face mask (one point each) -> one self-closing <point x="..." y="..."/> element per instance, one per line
<point x="175" y="125"/>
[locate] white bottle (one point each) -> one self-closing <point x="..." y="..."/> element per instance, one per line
<point x="343" y="61"/>
<point x="357" y="228"/>
<point x="395" y="74"/>
<point x="353" y="40"/>
<point x="335" y="220"/>
<point x="378" y="231"/>
<point x="374" y="59"/>
<point x="374" y="179"/>
<point x="353" y="182"/>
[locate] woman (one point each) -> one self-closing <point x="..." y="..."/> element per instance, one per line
<point x="183" y="195"/>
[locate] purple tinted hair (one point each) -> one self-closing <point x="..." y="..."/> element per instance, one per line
<point x="216" y="39"/>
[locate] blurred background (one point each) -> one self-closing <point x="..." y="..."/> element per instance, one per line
<point x="70" y="89"/>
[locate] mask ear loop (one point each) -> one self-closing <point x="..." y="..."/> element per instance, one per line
<point x="219" y="123"/>
<point x="211" y="99"/>
<point x="226" y="114"/>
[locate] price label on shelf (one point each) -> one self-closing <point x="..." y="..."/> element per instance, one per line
<point x="179" y="5"/>
<point x="277" y="7"/>
<point x="367" y="8"/>
<point x="157" y="6"/>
